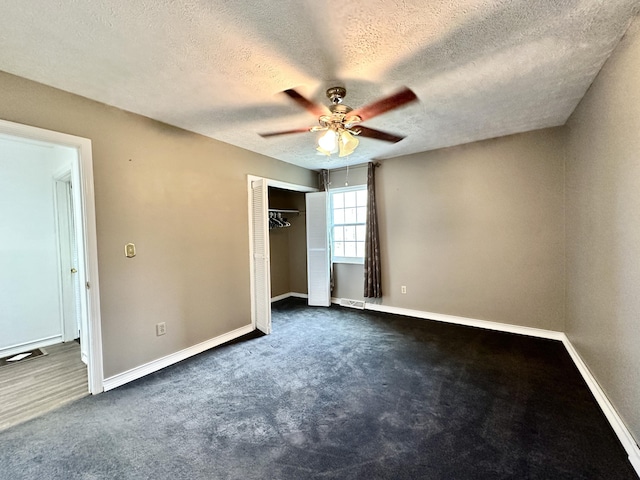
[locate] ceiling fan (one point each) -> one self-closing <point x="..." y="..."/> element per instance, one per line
<point x="342" y="125"/>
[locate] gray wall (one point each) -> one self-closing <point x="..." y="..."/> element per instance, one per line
<point x="475" y="231"/>
<point x="603" y="229"/>
<point x="348" y="177"/>
<point x="181" y="198"/>
<point x="279" y="261"/>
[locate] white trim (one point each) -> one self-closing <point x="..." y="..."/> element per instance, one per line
<point x="330" y="225"/>
<point x="88" y="250"/>
<point x="287" y="295"/>
<point x="155" y="365"/>
<point x="26" y="346"/>
<point x="286" y="186"/>
<point x="299" y="295"/>
<point x="348" y="260"/>
<point x="277" y="298"/>
<point x="252" y="280"/>
<point x="469" y="322"/>
<point x="621" y="430"/>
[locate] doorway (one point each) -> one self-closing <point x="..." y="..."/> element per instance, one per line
<point x="72" y="224"/>
<point x="259" y="247"/>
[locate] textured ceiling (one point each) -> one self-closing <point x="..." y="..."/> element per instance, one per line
<point x="480" y="68"/>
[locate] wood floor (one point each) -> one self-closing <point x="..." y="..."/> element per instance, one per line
<point x="39" y="385"/>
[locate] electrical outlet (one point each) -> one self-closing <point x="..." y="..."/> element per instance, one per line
<point x="161" y="328"/>
<point x="403" y="289"/>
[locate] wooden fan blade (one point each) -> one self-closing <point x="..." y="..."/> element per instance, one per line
<point x="383" y="105"/>
<point x="305" y="103"/>
<point x="380" y="135"/>
<point x="285" y="132"/>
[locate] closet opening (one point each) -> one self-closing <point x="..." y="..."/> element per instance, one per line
<point x="278" y="245"/>
<point x="287" y="244"/>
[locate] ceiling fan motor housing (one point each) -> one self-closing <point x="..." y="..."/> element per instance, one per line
<point x="336" y="94"/>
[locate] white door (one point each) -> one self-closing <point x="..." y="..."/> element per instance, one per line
<point x="68" y="260"/>
<point x="318" y="259"/>
<point x="261" y="273"/>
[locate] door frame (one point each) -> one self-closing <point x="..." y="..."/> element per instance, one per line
<point x="265" y="215"/>
<point x="82" y="170"/>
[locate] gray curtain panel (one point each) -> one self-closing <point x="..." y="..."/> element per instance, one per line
<point x="372" y="275"/>
<point x="323" y="180"/>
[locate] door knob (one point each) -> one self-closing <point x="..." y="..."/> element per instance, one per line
<point x="73" y="270"/>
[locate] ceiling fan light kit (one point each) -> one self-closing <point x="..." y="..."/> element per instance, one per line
<point x="342" y="125"/>
<point x="342" y="141"/>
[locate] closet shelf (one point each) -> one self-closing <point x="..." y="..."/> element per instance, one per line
<point x="283" y="210"/>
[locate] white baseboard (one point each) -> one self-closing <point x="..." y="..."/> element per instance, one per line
<point x="277" y="298"/>
<point x="621" y="430"/>
<point x="139" y="372"/>
<point x="469" y="322"/>
<point x="26" y="346"/>
<point x="287" y="295"/>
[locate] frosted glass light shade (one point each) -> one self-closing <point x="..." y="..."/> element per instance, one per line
<point x="347" y="144"/>
<point x="328" y="141"/>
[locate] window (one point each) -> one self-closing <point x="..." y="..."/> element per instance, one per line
<point x="348" y="220"/>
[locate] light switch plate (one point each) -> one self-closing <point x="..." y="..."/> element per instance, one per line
<point x="129" y="250"/>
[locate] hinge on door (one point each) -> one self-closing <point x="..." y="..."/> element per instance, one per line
<point x="88" y="285"/>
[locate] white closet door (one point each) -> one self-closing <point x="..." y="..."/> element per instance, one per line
<point x="261" y="274"/>
<point x="319" y="281"/>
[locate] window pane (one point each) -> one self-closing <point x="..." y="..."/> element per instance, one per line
<point x="350" y="215"/>
<point x="349" y="199"/>
<point x="362" y="197"/>
<point x="350" y="233"/>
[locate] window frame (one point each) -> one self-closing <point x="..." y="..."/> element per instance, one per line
<point x="343" y="259"/>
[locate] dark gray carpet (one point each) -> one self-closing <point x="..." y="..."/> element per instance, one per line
<point x="336" y="394"/>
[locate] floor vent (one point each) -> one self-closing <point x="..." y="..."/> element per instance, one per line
<point x="21" y="357"/>
<point x="347" y="302"/>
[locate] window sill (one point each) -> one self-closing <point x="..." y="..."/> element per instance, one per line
<point x="353" y="261"/>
